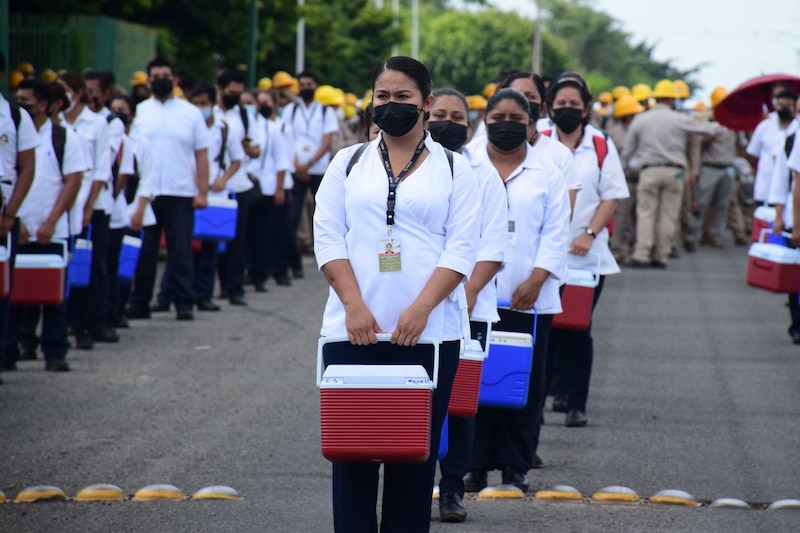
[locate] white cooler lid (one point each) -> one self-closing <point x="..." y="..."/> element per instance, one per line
<point x="130" y="240"/>
<point x="509" y="338"/>
<point x="39" y="261"/>
<point x="581" y="278"/>
<point x="376" y="377"/>
<point x="214" y="201"/>
<point x="765" y="213"/>
<point x="473" y="351"/>
<point x="774" y="253"/>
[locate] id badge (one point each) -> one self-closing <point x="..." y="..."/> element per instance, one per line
<point x="389" y="255"/>
<point x="512" y="233"/>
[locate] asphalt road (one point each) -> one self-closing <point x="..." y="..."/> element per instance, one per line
<point x="694" y="388"/>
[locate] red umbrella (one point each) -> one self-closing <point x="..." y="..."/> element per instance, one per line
<point x="743" y="108"/>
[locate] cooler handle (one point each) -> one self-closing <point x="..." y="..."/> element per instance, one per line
<point x="63" y="243"/>
<point x="382" y="337"/>
<point x="766" y="231"/>
<point x="596" y="272"/>
<point x="507" y="304"/>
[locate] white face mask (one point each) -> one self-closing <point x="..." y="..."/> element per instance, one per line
<point x="340" y="113"/>
<point x="72" y="102"/>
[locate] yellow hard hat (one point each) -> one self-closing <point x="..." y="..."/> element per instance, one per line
<point x="177" y="91"/>
<point x="718" y="95"/>
<point x="341" y="98"/>
<point x="619" y="91"/>
<point x="281" y="79"/>
<point x="488" y="90"/>
<point x="683" y="89"/>
<point x="295" y="86"/>
<point x="366" y="100"/>
<point x="665" y="89"/>
<point x="476" y="102"/>
<point x="49" y="75"/>
<point x="642" y="92"/>
<point x="26" y="69"/>
<point x="605" y="98"/>
<point x="627" y="105"/>
<point x="326" y="95"/>
<point x="264" y="84"/>
<point x="350" y="111"/>
<point x="700" y="106"/>
<point x="14" y="78"/>
<point x="139" y="78"/>
<point x="351" y="99"/>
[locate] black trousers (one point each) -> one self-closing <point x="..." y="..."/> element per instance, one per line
<point x="570" y="357"/>
<point x="259" y="234"/>
<point x="233" y="262"/>
<point x="295" y="212"/>
<point x="510" y="437"/>
<point x="88" y="306"/>
<point x="279" y="242"/>
<point x="175" y="215"/>
<point x="5" y="303"/>
<point x="114" y="288"/>
<point x="407" y="488"/>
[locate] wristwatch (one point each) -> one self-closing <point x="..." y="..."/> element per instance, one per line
<point x="591" y="233"/>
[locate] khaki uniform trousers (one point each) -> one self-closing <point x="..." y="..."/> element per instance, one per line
<point x="659" y="197"/>
<point x="625" y="221"/>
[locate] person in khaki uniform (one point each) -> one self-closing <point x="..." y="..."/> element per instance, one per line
<point x="657" y="142"/>
<point x="626" y="108"/>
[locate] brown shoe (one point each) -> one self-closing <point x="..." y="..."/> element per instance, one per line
<point x="716" y="243"/>
<point x="742" y="240"/>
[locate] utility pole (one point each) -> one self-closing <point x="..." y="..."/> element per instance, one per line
<point x="415" y="29"/>
<point x="251" y="52"/>
<point x="300" y="63"/>
<point x="537" y="40"/>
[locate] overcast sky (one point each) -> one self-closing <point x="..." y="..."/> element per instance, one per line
<point x="738" y="39"/>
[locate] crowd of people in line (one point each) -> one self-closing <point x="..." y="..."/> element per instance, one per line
<point x="495" y="197"/>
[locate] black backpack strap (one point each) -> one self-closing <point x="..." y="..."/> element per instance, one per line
<point x="59" y="139"/>
<point x="356" y="156"/>
<point x="15" y="115"/>
<point x="788" y="148"/>
<point x="245" y="119"/>
<point x="221" y="156"/>
<point x="449" y="154"/>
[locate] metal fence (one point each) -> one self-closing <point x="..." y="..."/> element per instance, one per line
<point x="80" y="42"/>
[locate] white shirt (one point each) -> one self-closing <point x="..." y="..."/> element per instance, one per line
<point x="233" y="151"/>
<point x="494" y="231"/>
<point x="437" y="225"/>
<point x="288" y="133"/>
<point x="538" y="212"/>
<point x="13" y="141"/>
<point x="791" y="163"/>
<point x="119" y="212"/>
<point x="239" y="182"/>
<point x="603" y="184"/>
<point x="174" y="130"/>
<point x="310" y="125"/>
<point x="767" y="138"/>
<point x="145" y="167"/>
<point x="93" y="129"/>
<point x="48" y="181"/>
<point x="274" y="158"/>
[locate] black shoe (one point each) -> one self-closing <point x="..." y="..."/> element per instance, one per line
<point x="633" y="263"/>
<point x="8" y="366"/>
<point x="575" y="418"/>
<point x="283" y="281"/>
<point x="137" y="313"/>
<point x="689" y="246"/>
<point x="513" y="477"/>
<point x="475" y="481"/>
<point x="223" y="294"/>
<point x="184" y="314"/>
<point x="658" y="264"/>
<point x="297" y="273"/>
<point x="261" y="287"/>
<point x="122" y="323"/>
<point x="160" y="307"/>
<point x="207" y="305"/>
<point x="238" y="300"/>
<point x="105" y="335"/>
<point x="795" y="335"/>
<point x="27" y="354"/>
<point x="537" y="462"/>
<point x="56" y="365"/>
<point x="451" y="508"/>
<point x="83" y="340"/>
<point x="560" y="403"/>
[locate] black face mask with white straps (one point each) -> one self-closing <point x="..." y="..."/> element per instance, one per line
<point x="396" y="119"/>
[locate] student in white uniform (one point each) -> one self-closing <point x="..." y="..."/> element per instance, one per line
<point x="18" y="141"/>
<point x="178" y="143"/>
<point x="538" y="224"/>
<point x="313" y="126"/>
<point x="448" y="126"/>
<point x="268" y="215"/>
<point x="88" y="306"/>
<point x="43" y="218"/>
<point x="597" y="163"/>
<point x="432" y="221"/>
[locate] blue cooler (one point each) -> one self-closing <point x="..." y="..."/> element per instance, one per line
<point x="507" y="370"/>
<point x="79" y="269"/>
<point x="444" y="442"/>
<point x="129" y="256"/>
<point x="217" y="222"/>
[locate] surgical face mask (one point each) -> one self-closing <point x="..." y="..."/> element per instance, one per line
<point x="72" y="103"/>
<point x="251" y="109"/>
<point x="230" y="100"/>
<point x="396" y="119"/>
<point x="473" y="116"/>
<point x="206" y="111"/>
<point x="266" y="111"/>
<point x="27" y="107"/>
<point x="340" y="113"/>
<point x="785" y="114"/>
<point x="162" y="87"/>
<point x="507" y="135"/>
<point x="774" y="103"/>
<point x="678" y="105"/>
<point x="568" y="119"/>
<point x="449" y="134"/>
<point x="536" y="107"/>
<point x="307" y="95"/>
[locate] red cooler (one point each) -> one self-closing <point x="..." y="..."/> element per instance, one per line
<point x="763" y="218"/>
<point x="375" y="413"/>
<point x="39" y="279"/>
<point x="773" y="267"/>
<point x="576" y="301"/>
<point x="5" y="270"/>
<point x="467" y="384"/>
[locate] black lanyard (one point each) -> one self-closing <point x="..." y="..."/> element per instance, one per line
<point x="394" y="182"/>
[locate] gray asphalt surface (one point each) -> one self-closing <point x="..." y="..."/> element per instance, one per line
<point x="694" y="388"/>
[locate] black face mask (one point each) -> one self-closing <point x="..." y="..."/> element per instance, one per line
<point x="567" y="118"/>
<point x="785" y="114"/>
<point x="230" y="100"/>
<point x="124" y="118"/>
<point x="449" y="134"/>
<point x="26" y="107"/>
<point x="265" y="110"/>
<point x="161" y="87"/>
<point x="396" y="119"/>
<point x="507" y="135"/>
<point x="536" y="107"/>
<point x="307" y="94"/>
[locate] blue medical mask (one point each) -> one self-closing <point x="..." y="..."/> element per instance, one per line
<point x="774" y="103"/>
<point x="206" y="111"/>
<point x="473" y="116"/>
<point x="678" y="105"/>
<point x="251" y="109"/>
